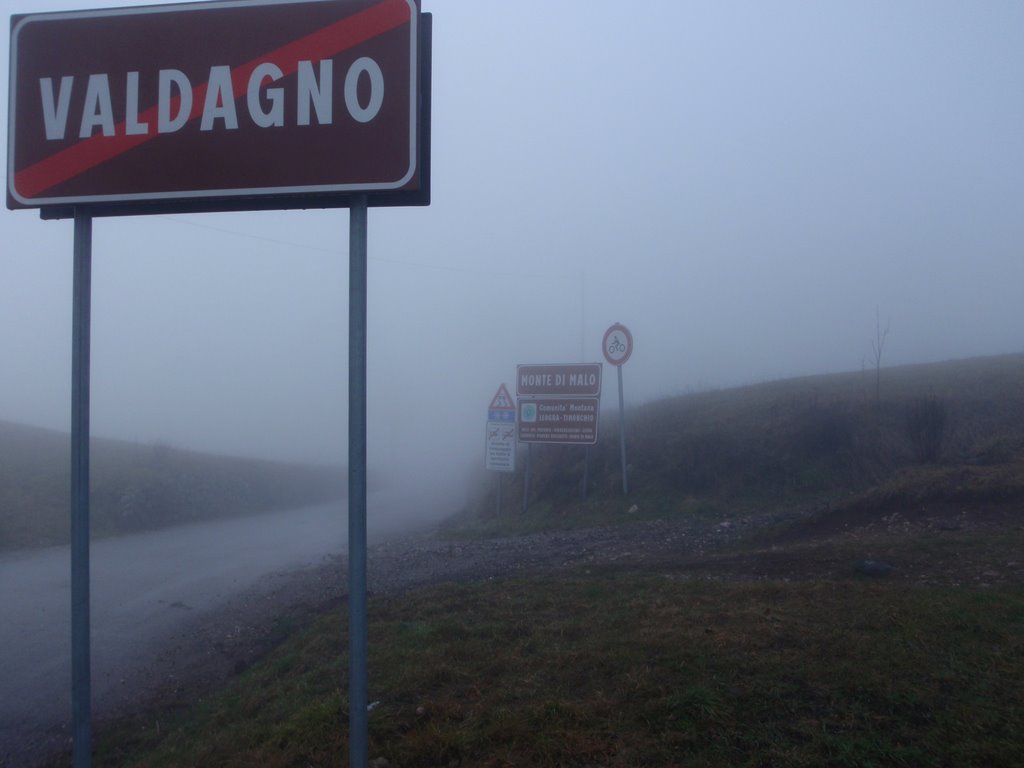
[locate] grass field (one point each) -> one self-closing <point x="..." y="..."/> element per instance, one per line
<point x="626" y="668"/>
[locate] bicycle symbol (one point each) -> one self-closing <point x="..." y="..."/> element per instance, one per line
<point x="616" y="346"/>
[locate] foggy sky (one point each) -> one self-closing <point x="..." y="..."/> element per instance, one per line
<point x="740" y="183"/>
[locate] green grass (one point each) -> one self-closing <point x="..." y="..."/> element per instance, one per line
<point x="623" y="668"/>
<point x="989" y="557"/>
<point x="545" y="516"/>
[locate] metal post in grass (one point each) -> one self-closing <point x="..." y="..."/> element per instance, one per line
<point x="622" y="437"/>
<point x="586" y="470"/>
<point x="617" y="346"/>
<point x="358" y="695"/>
<point x="526" y="477"/>
<point x="81" y="673"/>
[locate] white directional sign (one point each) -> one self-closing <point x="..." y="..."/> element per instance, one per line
<point x="500" y="437"/>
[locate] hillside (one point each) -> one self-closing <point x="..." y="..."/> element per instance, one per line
<point x="823" y="577"/>
<point x="948" y="433"/>
<point x="139" y="487"/>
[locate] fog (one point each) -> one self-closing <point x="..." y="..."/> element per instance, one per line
<point x="743" y="184"/>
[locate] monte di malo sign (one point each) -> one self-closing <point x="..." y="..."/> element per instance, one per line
<point x="229" y="105"/>
<point x="579" y="379"/>
<point x="559" y="403"/>
<point x="570" y="421"/>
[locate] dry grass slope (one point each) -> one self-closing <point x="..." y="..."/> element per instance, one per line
<point x="951" y="431"/>
<point x="139" y="487"/>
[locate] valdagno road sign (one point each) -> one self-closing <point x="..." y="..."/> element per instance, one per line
<point x="229" y="100"/>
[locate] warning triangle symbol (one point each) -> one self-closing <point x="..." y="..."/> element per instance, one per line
<point x="502" y="401"/>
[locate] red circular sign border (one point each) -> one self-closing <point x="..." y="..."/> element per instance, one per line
<point x="629" y="344"/>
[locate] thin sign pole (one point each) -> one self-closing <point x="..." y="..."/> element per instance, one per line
<point x="586" y="470"/>
<point x="526" y="477"/>
<point x="583" y="356"/>
<point x="81" y="681"/>
<point x="622" y="435"/>
<point x="358" y="695"/>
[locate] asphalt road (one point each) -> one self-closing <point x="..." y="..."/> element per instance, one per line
<point x="143" y="589"/>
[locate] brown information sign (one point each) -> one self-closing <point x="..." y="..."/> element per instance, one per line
<point x="237" y="100"/>
<point x="564" y="420"/>
<point x="580" y="380"/>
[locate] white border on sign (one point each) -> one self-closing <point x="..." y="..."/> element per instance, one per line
<point x="629" y="345"/>
<point x="209" y="193"/>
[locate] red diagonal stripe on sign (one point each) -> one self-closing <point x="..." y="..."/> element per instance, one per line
<point x="322" y="44"/>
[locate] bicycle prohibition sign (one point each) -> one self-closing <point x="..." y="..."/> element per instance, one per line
<point x="617" y="344"/>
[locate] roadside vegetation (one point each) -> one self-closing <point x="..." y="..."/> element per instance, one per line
<point x="878" y="622"/>
<point x="139" y="487"/>
<point x="944" y="433"/>
<point x="626" y="668"/>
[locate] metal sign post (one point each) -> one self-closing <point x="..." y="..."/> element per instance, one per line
<point x="81" y="676"/>
<point x="123" y="111"/>
<point x="622" y="438"/>
<point x="526" y="477"/>
<point x="586" y="470"/>
<point x="617" y="346"/>
<point x="358" y="695"/>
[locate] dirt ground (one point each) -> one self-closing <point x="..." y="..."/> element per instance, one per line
<point x="975" y="548"/>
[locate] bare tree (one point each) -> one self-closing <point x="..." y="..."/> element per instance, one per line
<point x="877" y="344"/>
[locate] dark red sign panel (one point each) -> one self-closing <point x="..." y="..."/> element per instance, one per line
<point x="569" y="421"/>
<point x="580" y="379"/>
<point x="217" y="101"/>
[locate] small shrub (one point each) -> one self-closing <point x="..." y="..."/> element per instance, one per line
<point x="825" y="432"/>
<point x="926" y="428"/>
<point x="1000" y="450"/>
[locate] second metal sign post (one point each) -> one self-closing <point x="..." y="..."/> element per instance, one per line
<point x="617" y="346"/>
